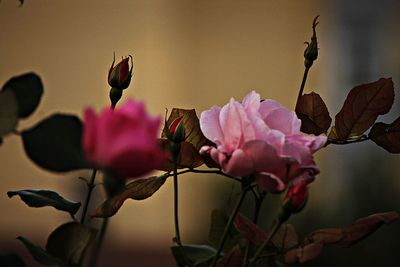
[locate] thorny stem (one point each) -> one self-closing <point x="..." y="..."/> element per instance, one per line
<point x="90" y="186"/>
<point x="229" y="224"/>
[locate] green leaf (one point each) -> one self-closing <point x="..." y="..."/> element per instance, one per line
<point x="193" y="255"/>
<point x="28" y="90"/>
<point x="387" y="135"/>
<point x="69" y="242"/>
<point x="219" y="219"/>
<point x="11" y="260"/>
<point x="41" y="255"/>
<point x="362" y="106"/>
<point x="8" y="112"/>
<point x="55" y="143"/>
<point x="41" y="198"/>
<point x="138" y="190"/>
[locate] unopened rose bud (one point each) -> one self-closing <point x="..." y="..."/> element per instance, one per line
<point x="296" y="198"/>
<point x="175" y="132"/>
<point x="120" y="76"/>
<point x="311" y="52"/>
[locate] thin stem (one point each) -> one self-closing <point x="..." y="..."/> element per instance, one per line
<point x="346" y="142"/>
<point x="96" y="250"/>
<point x="229" y="224"/>
<point x="219" y="172"/>
<point x="176" y="217"/>
<point x="90" y="187"/>
<point x="303" y="83"/>
<point x="262" y="247"/>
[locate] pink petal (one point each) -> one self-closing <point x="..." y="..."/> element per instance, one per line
<point x="210" y="126"/>
<point x="239" y="164"/>
<point x="283" y="120"/>
<point x="251" y="102"/>
<point x="270" y="183"/>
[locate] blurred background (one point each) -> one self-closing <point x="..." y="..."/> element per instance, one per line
<point x="195" y="54"/>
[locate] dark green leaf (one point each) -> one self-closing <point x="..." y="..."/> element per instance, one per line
<point x="40" y="254"/>
<point x="193" y="255"/>
<point x="28" y="90"/>
<point x="69" y="242"/>
<point x="11" y="260"/>
<point x="363" y="105"/>
<point x="138" y="190"/>
<point x="42" y="198"/>
<point x="313" y="113"/>
<point x="234" y="258"/>
<point x="219" y="219"/>
<point x="387" y="135"/>
<point x="8" y="112"/>
<point x="56" y="143"/>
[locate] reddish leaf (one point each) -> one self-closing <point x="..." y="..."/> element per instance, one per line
<point x="387" y="135"/>
<point x="362" y="106"/>
<point x="234" y="258"/>
<point x="304" y="254"/>
<point x="138" y="190"/>
<point x="189" y="156"/>
<point x="313" y="113"/>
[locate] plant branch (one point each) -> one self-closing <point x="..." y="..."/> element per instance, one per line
<point x="97" y="247"/>
<point x="303" y="83"/>
<point x="176" y="217"/>
<point x="90" y="186"/>
<point x="346" y="142"/>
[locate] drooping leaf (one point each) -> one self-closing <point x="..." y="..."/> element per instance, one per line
<point x="8" y="112"/>
<point x="28" y="90"/>
<point x="41" y="198"/>
<point x="138" y="190"/>
<point x="304" y="253"/>
<point x="55" y="143"/>
<point x="41" y="255"/>
<point x="11" y="260"/>
<point x="387" y="135"/>
<point x="69" y="242"/>
<point x="219" y="219"/>
<point x="341" y="237"/>
<point x="189" y="156"/>
<point x="234" y="258"/>
<point x="362" y="106"/>
<point x="193" y="255"/>
<point x="313" y="113"/>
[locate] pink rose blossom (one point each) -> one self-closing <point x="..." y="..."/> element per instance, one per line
<point x="123" y="141"/>
<point x="261" y="139"/>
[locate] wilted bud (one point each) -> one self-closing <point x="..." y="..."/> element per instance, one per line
<point x="311" y="52"/>
<point x="119" y="77"/>
<point x="175" y="132"/>
<point x="296" y="198"/>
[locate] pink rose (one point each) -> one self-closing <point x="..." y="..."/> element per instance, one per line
<point x="261" y="139"/>
<point x="123" y="141"/>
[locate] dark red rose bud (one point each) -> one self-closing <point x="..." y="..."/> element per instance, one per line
<point x="176" y="130"/>
<point x="119" y="77"/>
<point x="311" y="52"/>
<point x="296" y="198"/>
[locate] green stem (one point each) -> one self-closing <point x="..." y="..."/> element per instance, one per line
<point x="263" y="246"/>
<point x="229" y="224"/>
<point x="176" y="215"/>
<point x="90" y="186"/>
<point x="303" y="83"/>
<point x="96" y="250"/>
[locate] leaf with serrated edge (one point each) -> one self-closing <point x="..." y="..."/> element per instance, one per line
<point x="41" y="198"/>
<point x="387" y="135"/>
<point x="313" y="113"/>
<point x="138" y="190"/>
<point x="362" y="106"/>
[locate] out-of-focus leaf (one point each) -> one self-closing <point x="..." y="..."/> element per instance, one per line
<point x="189" y="156"/>
<point x="69" y="242"/>
<point x="285" y="238"/>
<point x="193" y="255"/>
<point x="41" y="198"/>
<point x="219" y="219"/>
<point x="362" y="106"/>
<point x="342" y="237"/>
<point x="11" y="260"/>
<point x="28" y="90"/>
<point x="138" y="190"/>
<point x="387" y="135"/>
<point x="313" y="113"/>
<point x="8" y="112"/>
<point x="234" y="258"/>
<point x="56" y="143"/>
<point x="41" y="255"/>
<point x="304" y="253"/>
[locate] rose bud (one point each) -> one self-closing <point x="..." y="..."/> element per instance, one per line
<point x="123" y="141"/>
<point x="175" y="132"/>
<point x="119" y="77"/>
<point x="311" y="52"/>
<point x="296" y="198"/>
